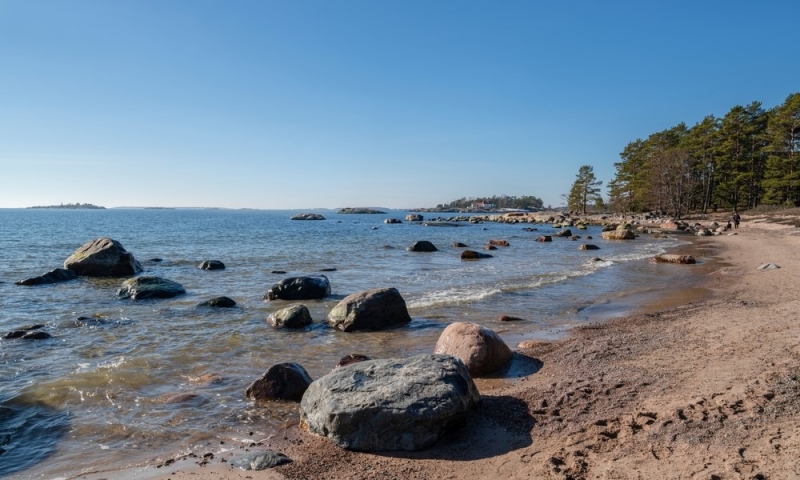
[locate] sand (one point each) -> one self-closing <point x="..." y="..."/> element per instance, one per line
<point x="707" y="389"/>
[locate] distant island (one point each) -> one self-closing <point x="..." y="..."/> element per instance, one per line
<point x="72" y="206"/>
<point x="360" y="211"/>
<point x="488" y="204"/>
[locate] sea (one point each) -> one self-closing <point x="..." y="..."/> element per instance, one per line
<point x="125" y="383"/>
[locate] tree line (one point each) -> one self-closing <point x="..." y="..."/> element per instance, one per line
<point x="501" y="201"/>
<point x="751" y="156"/>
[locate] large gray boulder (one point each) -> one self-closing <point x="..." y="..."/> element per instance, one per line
<point x="141" y="288"/>
<point x="53" y="276"/>
<point x="375" y="309"/>
<point x="481" y="350"/>
<point x="300" y="288"/>
<point x="618" y="235"/>
<point x="395" y="404"/>
<point x="103" y="257"/>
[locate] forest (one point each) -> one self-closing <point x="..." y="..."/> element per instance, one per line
<point x="494" y="202"/>
<point x="749" y="157"/>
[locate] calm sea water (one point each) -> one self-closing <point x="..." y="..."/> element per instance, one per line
<point x="94" y="395"/>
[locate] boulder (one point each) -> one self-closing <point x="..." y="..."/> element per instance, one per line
<point x="352" y="358"/>
<point x="102" y="257"/>
<point x="300" y="288"/>
<point x="388" y="405"/>
<point x="473" y="255"/>
<point x="141" y="288"/>
<point x="414" y="217"/>
<point x="392" y="220"/>
<point x="544" y="238"/>
<point x="489" y="247"/>
<point x="296" y="316"/>
<point x="53" y="276"/>
<point x="375" y="309"/>
<point x="588" y="246"/>
<point x="460" y="245"/>
<point x="307" y="216"/>
<point x="422" y="246"/>
<point x="669" y="258"/>
<point x="211" y="265"/>
<point x="481" y="350"/>
<point x="284" y="381"/>
<point x="218" y="302"/>
<point x="31" y="332"/>
<point x="509" y="318"/>
<point x="498" y="243"/>
<point x="619" y="234"/>
<point x="564" y="233"/>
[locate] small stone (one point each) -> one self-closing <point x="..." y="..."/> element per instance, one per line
<point x="261" y="461"/>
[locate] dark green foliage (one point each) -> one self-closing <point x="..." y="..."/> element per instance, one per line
<point x="748" y="157"/>
<point x="502" y="201"/>
<point x="585" y="190"/>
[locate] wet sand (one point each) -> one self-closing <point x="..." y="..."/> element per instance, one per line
<point x="704" y="384"/>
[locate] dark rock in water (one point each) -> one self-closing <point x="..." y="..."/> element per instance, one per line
<point x="498" y="243"/>
<point x="327" y="269"/>
<point x="575" y="238"/>
<point x="296" y="316"/>
<point x="392" y="220"/>
<point x="190" y="398"/>
<point x="300" y="288"/>
<point x="278" y="272"/>
<point x="564" y="233"/>
<point x="388" y="405"/>
<point x="489" y="247"/>
<point x="423" y="246"/>
<point x="284" y="381"/>
<point x="473" y="255"/>
<point x="352" y="358"/>
<point x="261" y="461"/>
<point x="597" y="259"/>
<point x="588" y="237"/>
<point x="480" y="348"/>
<point x="155" y="260"/>
<point x="19" y="333"/>
<point x="508" y="318"/>
<point x="360" y="210"/>
<point x="36" y="335"/>
<point x="460" y="245"/>
<point x="588" y="246"/>
<point x="211" y="265"/>
<point x="307" y="216"/>
<point x="388" y="247"/>
<point x="375" y="309"/>
<point x="544" y="238"/>
<point x="102" y="257"/>
<point x="141" y="288"/>
<point x="53" y="276"/>
<point x="414" y="217"/>
<point x="374" y="228"/>
<point x="218" y="302"/>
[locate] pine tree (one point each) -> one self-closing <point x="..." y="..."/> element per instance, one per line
<point x="585" y="190"/>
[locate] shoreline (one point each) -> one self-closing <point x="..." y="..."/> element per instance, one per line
<point x="509" y="393"/>
<point x="707" y="389"/>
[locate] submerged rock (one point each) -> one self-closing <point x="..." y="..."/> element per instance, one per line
<point x="388" y="405"/>
<point x="284" y="381"/>
<point x="423" y="246"/>
<point x="211" y="265"/>
<point x="669" y="258"/>
<point x="102" y="257"/>
<point x="31" y="332"/>
<point x="296" y="316"/>
<point x="53" y="276"/>
<point x="375" y="309"/>
<point x="473" y="255"/>
<point x="588" y="246"/>
<point x="300" y="288"/>
<point x="498" y="243"/>
<point x="218" y="302"/>
<point x="544" y="238"/>
<point x="141" y="288"/>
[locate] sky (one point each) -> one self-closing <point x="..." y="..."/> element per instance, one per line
<point x="336" y="103"/>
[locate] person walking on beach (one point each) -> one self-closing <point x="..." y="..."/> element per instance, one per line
<point x="736" y="219"/>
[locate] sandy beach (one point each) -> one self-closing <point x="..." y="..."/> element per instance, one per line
<point x="706" y="389"/>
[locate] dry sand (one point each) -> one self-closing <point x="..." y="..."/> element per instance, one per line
<point x="706" y="390"/>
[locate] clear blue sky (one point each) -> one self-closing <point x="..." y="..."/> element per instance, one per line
<point x="303" y="104"/>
